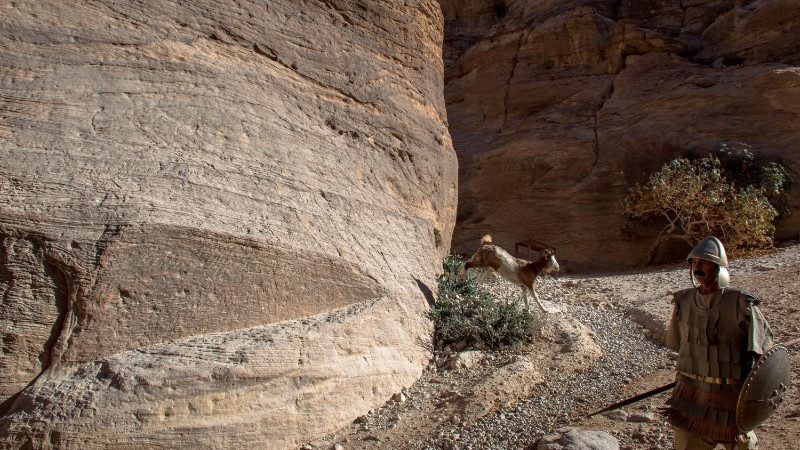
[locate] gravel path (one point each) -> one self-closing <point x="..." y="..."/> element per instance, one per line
<point x="566" y="395"/>
<point x="443" y="409"/>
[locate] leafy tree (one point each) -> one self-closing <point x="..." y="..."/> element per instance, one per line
<point x="730" y="193"/>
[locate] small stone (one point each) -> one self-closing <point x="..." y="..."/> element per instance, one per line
<point x="465" y="360"/>
<point x="460" y="345"/>
<point x="617" y="414"/>
<point x="522" y="359"/>
<point x="361" y="419"/>
<point x="399" y="397"/>
<point x="449" y="445"/>
<point x="642" y="417"/>
<point x="639" y="436"/>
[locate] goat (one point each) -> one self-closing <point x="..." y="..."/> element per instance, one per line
<point x="518" y="271"/>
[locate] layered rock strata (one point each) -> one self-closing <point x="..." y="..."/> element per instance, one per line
<point x="557" y="107"/>
<point x="217" y="221"/>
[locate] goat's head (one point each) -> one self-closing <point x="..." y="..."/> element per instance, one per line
<point x="475" y="261"/>
<point x="549" y="254"/>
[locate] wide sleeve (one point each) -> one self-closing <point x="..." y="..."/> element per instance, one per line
<point x="760" y="338"/>
<point x="673" y="337"/>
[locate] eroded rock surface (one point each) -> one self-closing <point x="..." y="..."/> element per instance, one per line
<point x="182" y="185"/>
<point x="556" y="107"/>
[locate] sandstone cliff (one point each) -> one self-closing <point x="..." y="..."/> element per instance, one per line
<point x="217" y="221"/>
<point x="556" y="106"/>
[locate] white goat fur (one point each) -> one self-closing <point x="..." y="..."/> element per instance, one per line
<point x="516" y="270"/>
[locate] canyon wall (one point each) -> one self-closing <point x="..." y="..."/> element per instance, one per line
<point x="218" y="223"/>
<point x="556" y="107"/>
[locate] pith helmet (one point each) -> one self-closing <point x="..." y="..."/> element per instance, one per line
<point x="710" y="249"/>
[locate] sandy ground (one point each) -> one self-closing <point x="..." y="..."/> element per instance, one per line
<point x="509" y="399"/>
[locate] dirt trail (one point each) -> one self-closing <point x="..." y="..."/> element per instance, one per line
<point x="602" y="348"/>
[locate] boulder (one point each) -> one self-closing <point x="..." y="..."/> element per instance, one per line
<point x="465" y="360"/>
<point x="217" y="221"/>
<point x="578" y="439"/>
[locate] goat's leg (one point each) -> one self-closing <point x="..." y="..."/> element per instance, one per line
<point x="539" y="302"/>
<point x="553" y="308"/>
<point x="525" y="296"/>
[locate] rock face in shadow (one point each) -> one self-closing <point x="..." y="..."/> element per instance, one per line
<point x="556" y="107"/>
<point x="216" y="220"/>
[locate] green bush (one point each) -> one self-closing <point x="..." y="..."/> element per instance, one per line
<point x="465" y="312"/>
<point x="730" y="193"/>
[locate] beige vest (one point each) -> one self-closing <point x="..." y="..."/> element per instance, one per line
<point x="714" y="332"/>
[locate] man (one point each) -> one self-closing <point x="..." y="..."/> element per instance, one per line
<point x="719" y="333"/>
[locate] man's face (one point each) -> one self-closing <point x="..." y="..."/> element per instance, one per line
<point x="705" y="272"/>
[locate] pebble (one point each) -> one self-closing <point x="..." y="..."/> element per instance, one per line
<point x="618" y="415"/>
<point x="642" y="417"/>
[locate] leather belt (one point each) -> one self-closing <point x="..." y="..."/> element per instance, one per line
<point x="711" y="380"/>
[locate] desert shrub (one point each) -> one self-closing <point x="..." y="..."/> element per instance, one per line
<point x="465" y="312"/>
<point x="730" y="193"/>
